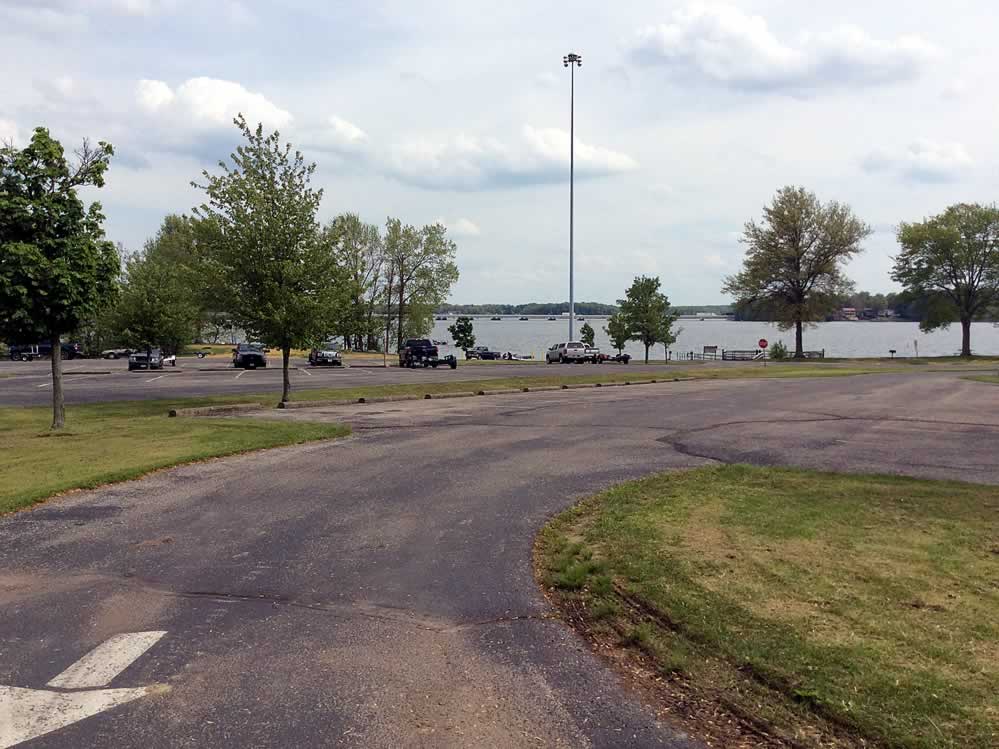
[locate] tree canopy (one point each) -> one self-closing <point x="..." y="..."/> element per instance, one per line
<point x="952" y="260"/>
<point x="462" y="333"/>
<point x="587" y="334"/>
<point x="56" y="267"/>
<point x="794" y="259"/>
<point x="618" y="331"/>
<point x="646" y="313"/>
<point x="272" y="273"/>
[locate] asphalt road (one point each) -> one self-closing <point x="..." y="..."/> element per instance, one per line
<point x="94" y="381"/>
<point x="378" y="591"/>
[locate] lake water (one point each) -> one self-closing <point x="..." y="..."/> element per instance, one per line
<point x="839" y="339"/>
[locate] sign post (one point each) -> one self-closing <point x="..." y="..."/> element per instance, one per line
<point x="763" y="343"/>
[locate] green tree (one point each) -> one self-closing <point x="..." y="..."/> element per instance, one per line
<point x="794" y="259"/>
<point x="587" y="334"/>
<point x="272" y="272"/>
<point x="158" y="306"/>
<point x="421" y="271"/>
<point x="618" y="331"/>
<point x="462" y="333"/>
<point x="359" y="251"/>
<point x="647" y="314"/>
<point x="56" y="268"/>
<point x="953" y="260"/>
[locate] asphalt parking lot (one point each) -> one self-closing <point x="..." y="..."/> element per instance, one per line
<point x="378" y="591"/>
<point x="98" y="380"/>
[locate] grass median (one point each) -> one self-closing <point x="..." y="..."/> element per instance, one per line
<point x="110" y="442"/>
<point x="991" y="379"/>
<point x="833" y="609"/>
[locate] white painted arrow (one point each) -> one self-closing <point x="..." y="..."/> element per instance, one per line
<point x="28" y="713"/>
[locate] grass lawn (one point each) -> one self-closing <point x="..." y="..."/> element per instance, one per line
<point x="994" y="379"/>
<point x="826" y="605"/>
<point x="118" y="441"/>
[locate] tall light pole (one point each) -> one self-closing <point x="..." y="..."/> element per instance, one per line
<point x="571" y="61"/>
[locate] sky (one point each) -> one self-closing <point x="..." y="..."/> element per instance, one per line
<point x="689" y="116"/>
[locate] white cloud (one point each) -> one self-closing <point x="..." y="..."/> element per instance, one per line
<point x="540" y="156"/>
<point x="722" y="45"/>
<point x="346" y="133"/>
<point x="154" y="96"/>
<point x="461" y="227"/>
<point x="714" y="260"/>
<point x="921" y="161"/>
<point x="209" y="101"/>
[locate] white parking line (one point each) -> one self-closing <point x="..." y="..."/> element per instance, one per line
<point x="305" y="371"/>
<point x="43" y="385"/>
<point x="240" y="375"/>
<point x="106" y="661"/>
<point x="154" y="379"/>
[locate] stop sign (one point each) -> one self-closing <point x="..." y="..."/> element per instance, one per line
<point x="763" y="343"/>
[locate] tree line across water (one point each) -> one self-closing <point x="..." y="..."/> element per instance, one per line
<point x="254" y="256"/>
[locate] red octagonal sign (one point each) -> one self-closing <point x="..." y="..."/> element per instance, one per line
<point x="764" y="343"/>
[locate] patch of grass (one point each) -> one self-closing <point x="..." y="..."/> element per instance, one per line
<point x="868" y="604"/>
<point x="993" y="379"/>
<point x="119" y="441"/>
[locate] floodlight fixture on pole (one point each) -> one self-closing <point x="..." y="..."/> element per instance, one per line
<point x="572" y="61"/>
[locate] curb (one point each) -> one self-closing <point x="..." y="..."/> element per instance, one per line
<point x="315" y="404"/>
<point x="222" y="410"/>
<point x="216" y="410"/>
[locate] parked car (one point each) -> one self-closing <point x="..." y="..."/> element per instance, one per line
<point x="421" y="352"/>
<point x="593" y="355"/>
<point x="327" y="355"/>
<point x="249" y="356"/>
<point x="573" y="351"/>
<point x="170" y="359"/>
<point x="153" y="359"/>
<point x="32" y="351"/>
<point x="618" y="358"/>
<point x="115" y="353"/>
<point x="482" y="352"/>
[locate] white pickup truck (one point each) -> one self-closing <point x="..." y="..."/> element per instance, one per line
<point x="576" y="352"/>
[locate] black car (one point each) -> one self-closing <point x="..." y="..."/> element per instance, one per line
<point x="32" y="351"/>
<point x="482" y="352"/>
<point x="249" y="356"/>
<point x="151" y="359"/>
<point x="422" y="352"/>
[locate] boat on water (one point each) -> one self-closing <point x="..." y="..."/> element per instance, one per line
<point x="523" y="319"/>
<point x="441" y="317"/>
<point x="495" y="318"/>
<point x="552" y="319"/>
<point x="580" y="319"/>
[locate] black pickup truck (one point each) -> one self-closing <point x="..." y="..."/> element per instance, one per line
<point x="249" y="356"/>
<point x="482" y="352"/>
<point x="421" y="352"/>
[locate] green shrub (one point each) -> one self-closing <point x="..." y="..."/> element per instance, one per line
<point x="779" y="351"/>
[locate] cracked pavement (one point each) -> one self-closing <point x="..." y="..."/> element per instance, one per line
<point x="378" y="591"/>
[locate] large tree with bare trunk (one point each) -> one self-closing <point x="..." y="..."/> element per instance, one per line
<point x="794" y="260"/>
<point x="56" y="267"/>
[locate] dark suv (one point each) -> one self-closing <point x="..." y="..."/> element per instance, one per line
<point x="249" y="356"/>
<point x="32" y="351"/>
<point x="153" y="359"/>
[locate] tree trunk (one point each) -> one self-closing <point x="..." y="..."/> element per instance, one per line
<point x="286" y="387"/>
<point x="646" y="353"/>
<point x="799" y="349"/>
<point x="966" y="336"/>
<point x="58" y="403"/>
<point x="400" y="333"/>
